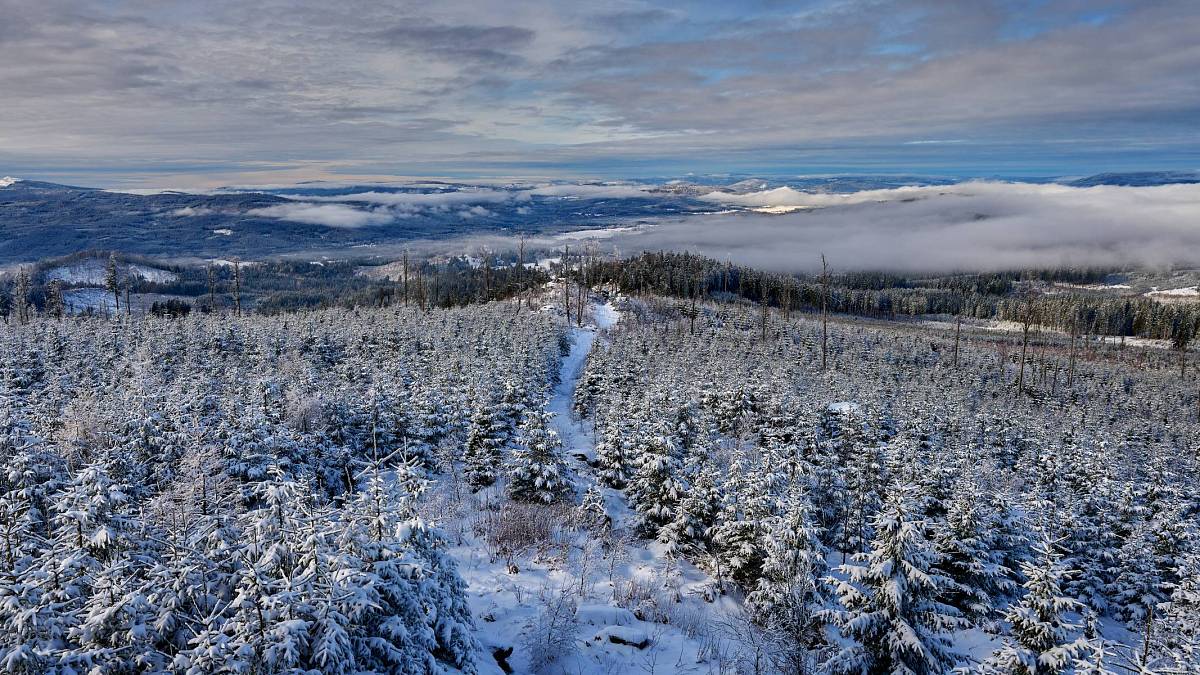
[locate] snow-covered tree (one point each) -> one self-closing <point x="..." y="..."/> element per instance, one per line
<point x="536" y="472"/>
<point x="791" y="593"/>
<point x="1042" y="639"/>
<point x="655" y="488"/>
<point x="483" y="457"/>
<point x="891" y="616"/>
<point x="972" y="557"/>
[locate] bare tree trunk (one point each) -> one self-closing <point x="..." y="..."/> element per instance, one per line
<point x="237" y="286"/>
<point x="520" y="273"/>
<point x="437" y="286"/>
<point x="957" y="335"/>
<point x="1024" y="348"/>
<point x="406" y="278"/>
<point x="487" y="278"/>
<point x="566" y="284"/>
<point x="212" y="288"/>
<point x="580" y="295"/>
<point x="1145" y="658"/>
<point x="824" y="313"/>
<point x="1071" y="359"/>
<point x="765" y="310"/>
<point x="692" y="313"/>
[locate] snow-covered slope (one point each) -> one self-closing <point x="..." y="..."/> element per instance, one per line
<point x="92" y="270"/>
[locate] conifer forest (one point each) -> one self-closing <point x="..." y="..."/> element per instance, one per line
<point x="576" y="475"/>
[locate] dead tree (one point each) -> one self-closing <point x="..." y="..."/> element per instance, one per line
<point x="824" y="312"/>
<point x="520" y="273"/>
<point x="112" y="282"/>
<point x="764" y="301"/>
<point x="1027" y="319"/>
<point x="237" y="286"/>
<point x="406" y="278"/>
<point x="566" y="284"/>
<point x="1071" y="358"/>
<point x="958" y="326"/>
<point x="212" y="287"/>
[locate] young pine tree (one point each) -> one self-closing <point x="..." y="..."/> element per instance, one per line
<point x="892" y="617"/>
<point x="972" y="556"/>
<point x="1042" y="641"/>
<point x="483" y="458"/>
<point x="655" y="488"/>
<point x="791" y="593"/>
<point x="536" y="472"/>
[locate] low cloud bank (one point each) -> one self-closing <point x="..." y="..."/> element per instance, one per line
<point x="984" y="226"/>
<point x="329" y="215"/>
<point x="416" y="201"/>
<point x="410" y="203"/>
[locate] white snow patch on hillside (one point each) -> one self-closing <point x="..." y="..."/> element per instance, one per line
<point x="1187" y="292"/>
<point x="1094" y="287"/>
<point x="844" y="407"/>
<point x="92" y="271"/>
<point x="598" y="233"/>
<point x="8" y="180"/>
<point x="80" y="300"/>
<point x="606" y="315"/>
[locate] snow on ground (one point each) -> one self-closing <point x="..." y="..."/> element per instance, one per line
<point x="596" y="603"/>
<point x="1175" y="293"/>
<point x="590" y="602"/>
<point x="1094" y="287"/>
<point x="543" y="263"/>
<point x="572" y="432"/>
<point x="606" y="315"/>
<point x="597" y="233"/>
<point x="1138" y="342"/>
<point x="92" y="270"/>
<point x="99" y="300"/>
<point x="1001" y="326"/>
<point x="8" y="180"/>
<point x="844" y="407"/>
<point x="780" y="209"/>
<point x="81" y="299"/>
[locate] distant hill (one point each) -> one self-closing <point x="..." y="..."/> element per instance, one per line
<point x="39" y="220"/>
<point x="1137" y="179"/>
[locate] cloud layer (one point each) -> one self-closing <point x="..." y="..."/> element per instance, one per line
<point x="300" y="89"/>
<point x="329" y="215"/>
<point x="971" y="226"/>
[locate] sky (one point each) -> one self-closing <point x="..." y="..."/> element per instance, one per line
<point x="190" y="94"/>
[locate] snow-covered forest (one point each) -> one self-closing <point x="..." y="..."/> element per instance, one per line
<point x="499" y="488"/>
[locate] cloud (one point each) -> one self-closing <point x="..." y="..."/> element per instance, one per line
<point x="789" y="197"/>
<point x="329" y="215"/>
<point x="475" y="212"/>
<point x="550" y="89"/>
<point x="590" y="191"/>
<point x="971" y="226"/>
<point x="191" y="211"/>
<point x="413" y="201"/>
